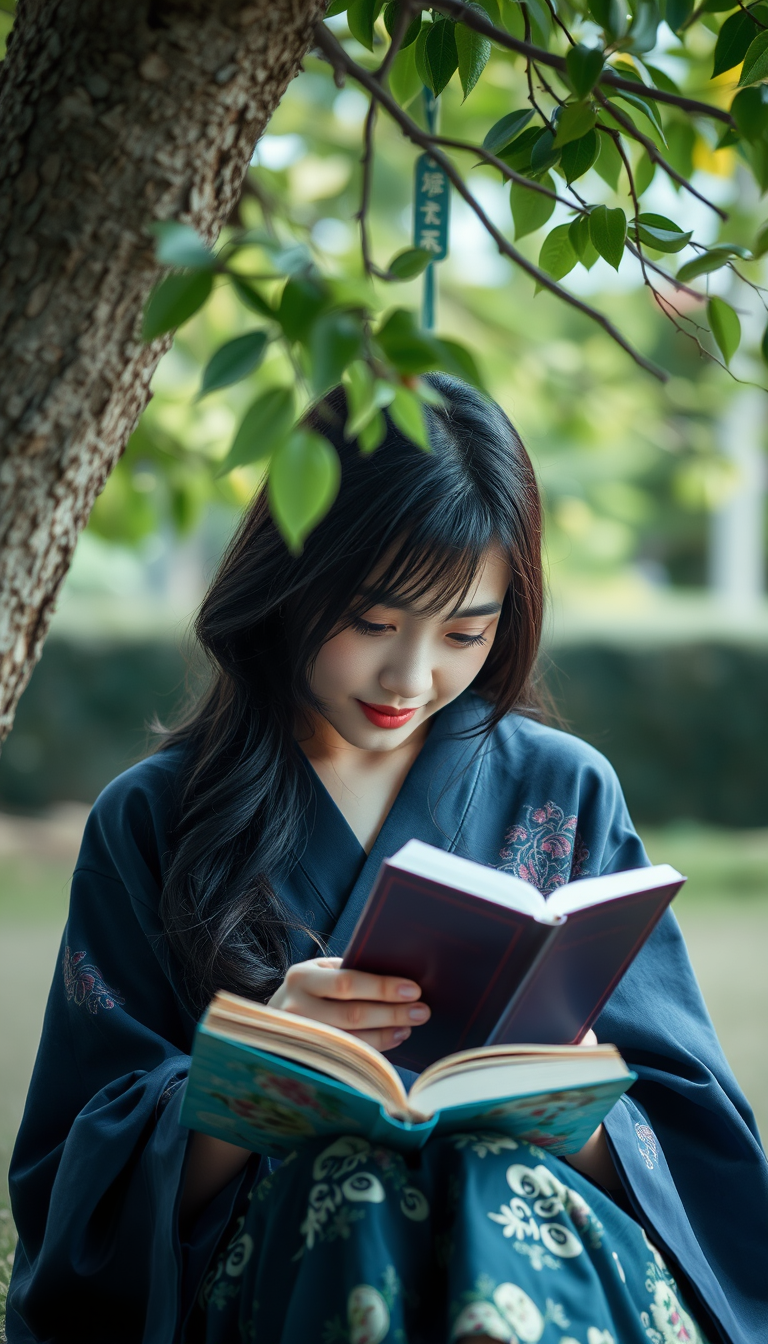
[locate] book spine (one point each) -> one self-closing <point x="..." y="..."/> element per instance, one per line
<point x="399" y="1134"/>
<point x="498" y="1035"/>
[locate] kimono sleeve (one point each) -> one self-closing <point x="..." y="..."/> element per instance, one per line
<point x="684" y="1139"/>
<point x="99" y="1162"/>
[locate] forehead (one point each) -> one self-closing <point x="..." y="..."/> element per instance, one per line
<point x="468" y="581"/>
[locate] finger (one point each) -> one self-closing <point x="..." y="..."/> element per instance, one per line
<point x="331" y="982"/>
<point x="589" y="1038"/>
<point x="358" y="1014"/>
<point x="383" y="1040"/>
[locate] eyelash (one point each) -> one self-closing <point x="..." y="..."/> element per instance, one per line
<point x="369" y="628"/>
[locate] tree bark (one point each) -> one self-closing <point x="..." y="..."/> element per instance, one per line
<point x="113" y="113"/>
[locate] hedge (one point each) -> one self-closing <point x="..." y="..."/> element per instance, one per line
<point x="685" y="724"/>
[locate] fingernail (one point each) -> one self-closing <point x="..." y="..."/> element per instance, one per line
<point x="401" y="1034"/>
<point x="418" y="1014"/>
<point x="408" y="991"/>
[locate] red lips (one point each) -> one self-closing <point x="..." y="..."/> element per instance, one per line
<point x="386" y="716"/>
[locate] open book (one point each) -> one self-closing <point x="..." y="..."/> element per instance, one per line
<point x="270" y="1080"/>
<point x="497" y="963"/>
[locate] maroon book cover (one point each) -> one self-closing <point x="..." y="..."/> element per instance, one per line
<point x="491" y="972"/>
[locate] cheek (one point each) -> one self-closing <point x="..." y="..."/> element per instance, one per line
<point x="342" y="663"/>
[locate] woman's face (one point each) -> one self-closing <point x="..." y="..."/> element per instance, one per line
<point x="384" y="676"/>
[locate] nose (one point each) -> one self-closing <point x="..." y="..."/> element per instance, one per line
<point x="407" y="673"/>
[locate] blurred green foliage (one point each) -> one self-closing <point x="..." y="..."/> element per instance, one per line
<point x="630" y="468"/>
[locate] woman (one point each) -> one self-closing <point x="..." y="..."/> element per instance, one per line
<point x="375" y="689"/>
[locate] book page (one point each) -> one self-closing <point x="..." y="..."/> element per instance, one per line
<point x="497" y="1077"/>
<point x="314" y="1044"/>
<point x="477" y="879"/>
<point x="589" y="891"/>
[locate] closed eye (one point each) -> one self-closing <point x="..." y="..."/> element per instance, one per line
<point x="467" y="641"/>
<point x="368" y="627"/>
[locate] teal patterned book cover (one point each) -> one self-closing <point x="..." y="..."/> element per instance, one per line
<point x="273" y="1105"/>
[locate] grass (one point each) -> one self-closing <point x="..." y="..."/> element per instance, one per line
<point x="7" y="1243"/>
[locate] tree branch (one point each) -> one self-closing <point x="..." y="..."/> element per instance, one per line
<point x="473" y="18"/>
<point x="338" y="58"/>
<point x="653" y="153"/>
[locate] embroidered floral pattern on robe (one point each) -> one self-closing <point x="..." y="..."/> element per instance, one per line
<point x="84" y="983"/>
<point x="548" y="852"/>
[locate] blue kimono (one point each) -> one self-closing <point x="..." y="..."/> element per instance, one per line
<point x="348" y="1243"/>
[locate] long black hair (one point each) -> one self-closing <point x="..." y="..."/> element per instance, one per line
<point x="428" y="519"/>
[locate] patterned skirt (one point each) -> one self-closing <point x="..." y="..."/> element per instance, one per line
<point x="476" y="1235"/>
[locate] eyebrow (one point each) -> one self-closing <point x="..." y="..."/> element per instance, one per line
<point x="483" y="609"/>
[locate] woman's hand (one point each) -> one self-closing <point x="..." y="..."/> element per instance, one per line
<point x="595" y="1159"/>
<point x="379" y="1009"/>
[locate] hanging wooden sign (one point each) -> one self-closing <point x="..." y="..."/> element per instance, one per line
<point x="431" y="213"/>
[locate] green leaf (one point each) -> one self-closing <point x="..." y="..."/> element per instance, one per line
<point x="609" y="162"/>
<point x="584" y="65"/>
<point x="704" y="264"/>
<point x="544" y="153"/>
<point x="725" y="327"/>
<point x="607" y="230"/>
<point x="503" y="132"/>
<point x="335" y="339"/>
<point x="304" y="480"/>
<point x="413" y="351"/>
<point x="336" y="7"/>
<point x="610" y="15"/>
<point x="233" y="361"/>
<point x="764" y="346"/>
<point x="642" y="31"/>
<point x="250" y="296"/>
<point x="407" y="413"/>
<point x="372" y="435"/>
<point x="404" y="79"/>
<point x="558" y="255"/>
<point x="661" y="79"/>
<point x="455" y="358"/>
<point x="677" y="13"/>
<point x="518" y="154"/>
<point x="582" y="243"/>
<point x="391" y="17"/>
<point x="575" y="121"/>
<point x="645" y="170"/>
<point x="181" y="245"/>
<point x="265" y="424"/>
<point x="755" y="61"/>
<point x="530" y="209"/>
<point x="359" y="389"/>
<point x="660" y="233"/>
<point x="681" y="138"/>
<point x="645" y="106"/>
<point x="361" y="16"/>
<point x="541" y="21"/>
<point x="406" y="347"/>
<point x="174" y="301"/>
<point x="579" y="155"/>
<point x="474" y="53"/>
<point x="409" y="263"/>
<point x="733" y="42"/>
<point x="749" y="110"/>
<point x="761" y="242"/>
<point x="440" y="55"/>
<point x="301" y="301"/>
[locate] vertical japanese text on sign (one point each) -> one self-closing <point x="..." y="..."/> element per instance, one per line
<point x="431" y="208"/>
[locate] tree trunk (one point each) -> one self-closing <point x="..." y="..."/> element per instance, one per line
<point x="113" y="113"/>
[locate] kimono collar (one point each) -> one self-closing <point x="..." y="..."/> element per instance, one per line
<point x="430" y="806"/>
